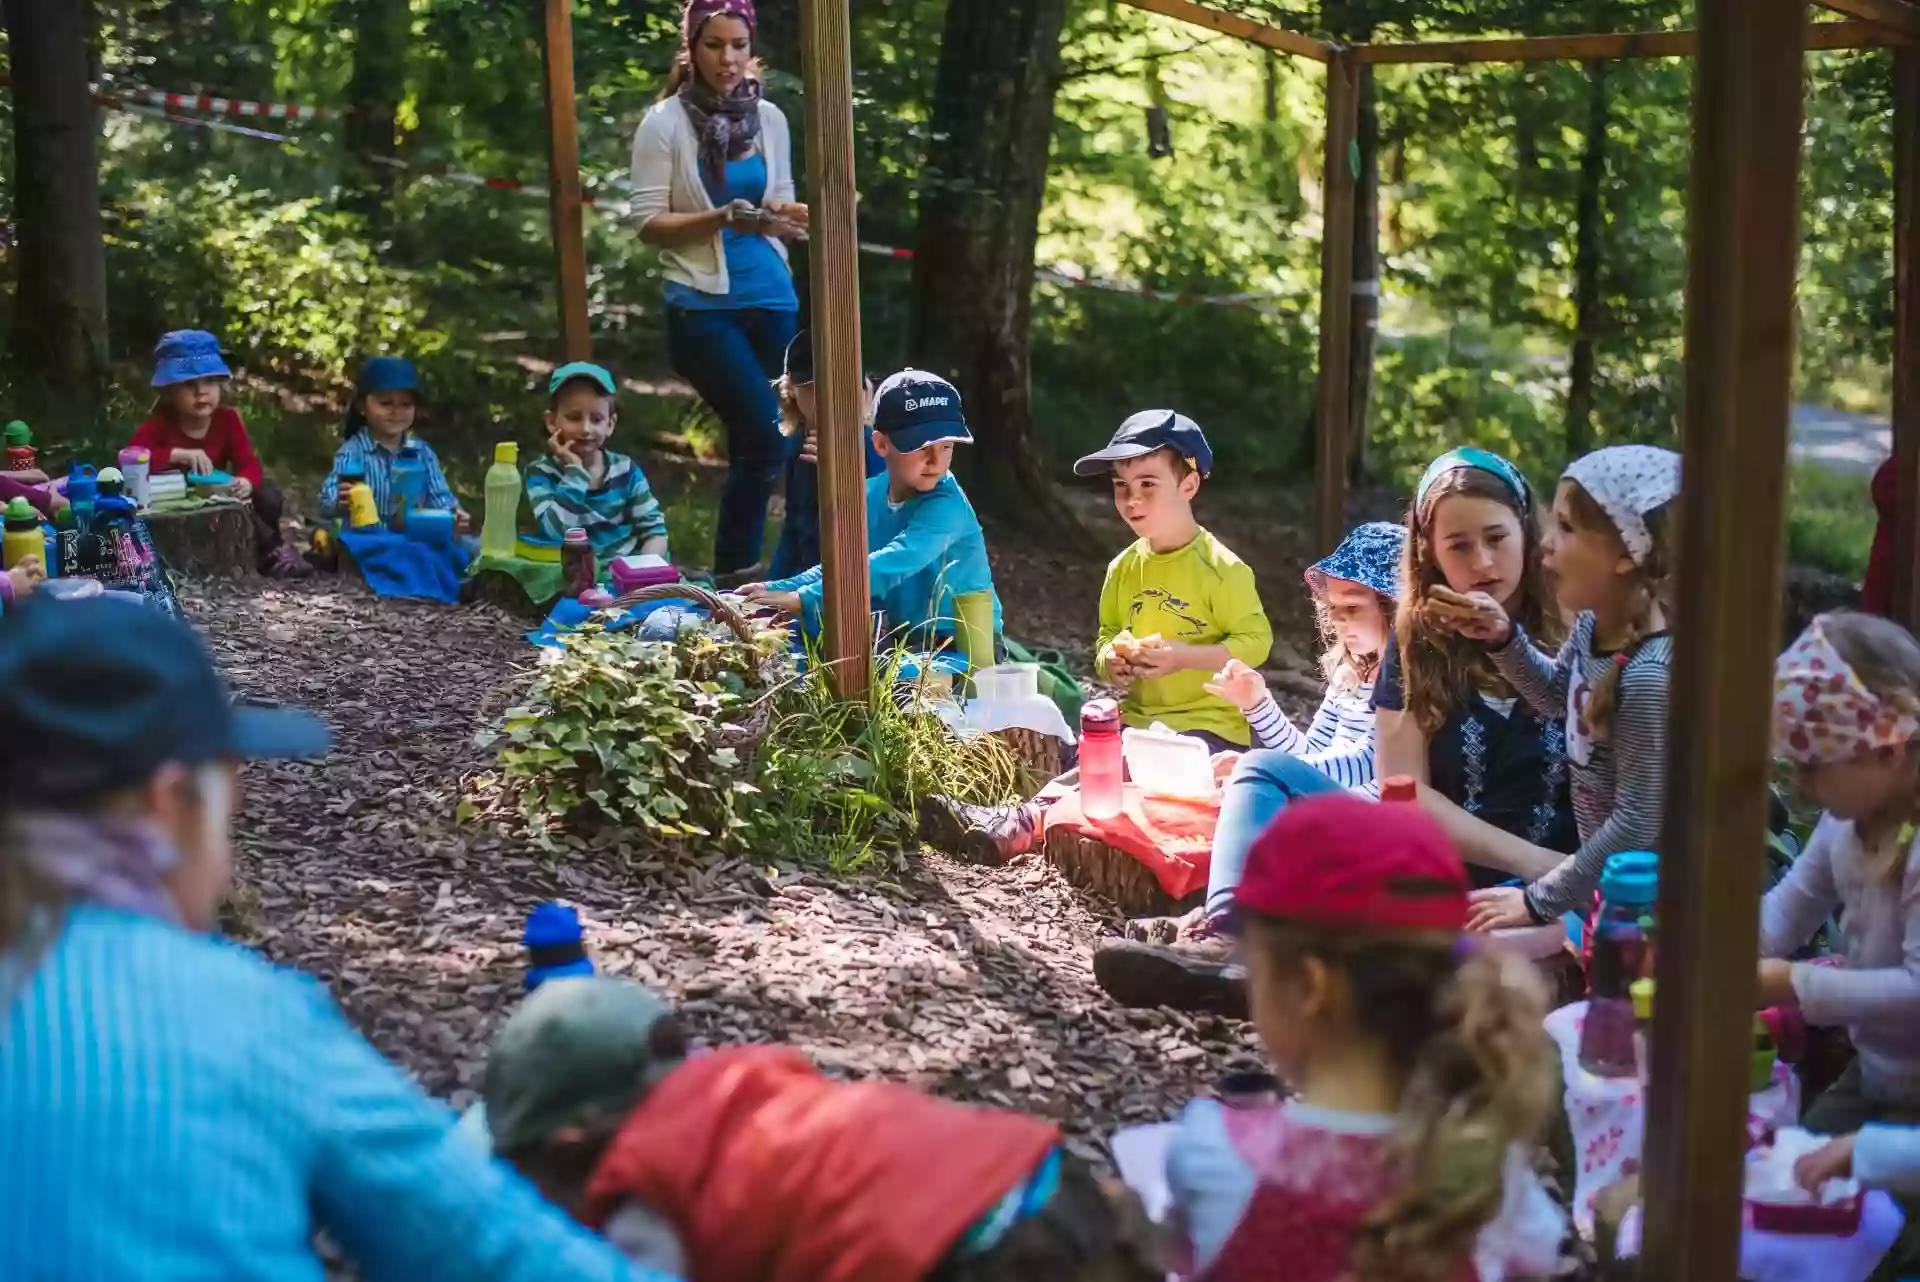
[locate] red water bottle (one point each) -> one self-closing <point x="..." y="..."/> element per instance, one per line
<point x="1100" y="767"/>
<point x="577" y="567"/>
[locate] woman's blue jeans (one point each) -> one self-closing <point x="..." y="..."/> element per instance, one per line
<point x="731" y="358"/>
<point x="1263" y="783"/>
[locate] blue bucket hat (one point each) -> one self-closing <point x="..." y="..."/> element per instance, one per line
<point x="1369" y="556"/>
<point x="1475" y="458"/>
<point x="379" y="374"/>
<point x="187" y="354"/>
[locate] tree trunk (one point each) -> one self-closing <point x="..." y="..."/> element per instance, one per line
<point x="1366" y="277"/>
<point x="60" y="305"/>
<point x="980" y="197"/>
<point x="1588" y="240"/>
<point x="380" y="30"/>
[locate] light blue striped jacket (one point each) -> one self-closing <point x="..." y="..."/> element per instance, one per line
<point x="1339" y="743"/>
<point x="172" y="1107"/>
<point x="376" y="461"/>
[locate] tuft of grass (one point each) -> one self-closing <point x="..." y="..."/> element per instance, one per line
<point x="1830" y="521"/>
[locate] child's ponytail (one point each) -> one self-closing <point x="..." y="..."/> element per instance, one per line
<point x="1481" y="1080"/>
<point x="1651" y="585"/>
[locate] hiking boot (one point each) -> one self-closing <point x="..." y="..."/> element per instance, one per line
<point x="284" y="563"/>
<point x="1189" y="977"/>
<point x="1191" y="928"/>
<point x="984" y="834"/>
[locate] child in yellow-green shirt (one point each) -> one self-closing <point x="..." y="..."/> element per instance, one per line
<point x="1177" y="604"/>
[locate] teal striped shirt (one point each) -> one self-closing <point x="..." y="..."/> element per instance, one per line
<point x="618" y="515"/>
<point x="173" y="1107"/>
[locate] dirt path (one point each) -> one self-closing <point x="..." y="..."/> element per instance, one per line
<point x="973" y="983"/>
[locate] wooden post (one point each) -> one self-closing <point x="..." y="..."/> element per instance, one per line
<point x="1906" y="335"/>
<point x="1336" y="304"/>
<point x="826" y="60"/>
<point x="563" y="183"/>
<point x="1742" y="236"/>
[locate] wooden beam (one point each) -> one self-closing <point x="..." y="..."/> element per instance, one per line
<point x="1906" y="335"/>
<point x="563" y="183"/>
<point x="826" y="61"/>
<point x="1900" y="15"/>
<point x="1336" y="304"/>
<point x="1228" y="24"/>
<point x="1743" y="241"/>
<point x="1643" y="44"/>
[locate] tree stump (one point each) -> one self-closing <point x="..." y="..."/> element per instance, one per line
<point x="503" y="590"/>
<point x="1093" y="865"/>
<point x="215" y="541"/>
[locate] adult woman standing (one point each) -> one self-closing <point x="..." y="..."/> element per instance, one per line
<point x="713" y="189"/>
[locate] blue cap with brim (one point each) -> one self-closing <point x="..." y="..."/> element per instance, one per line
<point x="914" y="409"/>
<point x="1145" y="432"/>
<point x="582" y="369"/>
<point x="95" y="697"/>
<point x="187" y="354"/>
<point x="379" y="374"/>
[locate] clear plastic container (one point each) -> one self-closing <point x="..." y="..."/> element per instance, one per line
<point x="1100" y="765"/>
<point x="1168" y="764"/>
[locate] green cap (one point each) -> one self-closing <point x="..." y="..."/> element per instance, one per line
<point x="19" y="433"/>
<point x="577" y="1051"/>
<point x="582" y="369"/>
<point x="22" y="511"/>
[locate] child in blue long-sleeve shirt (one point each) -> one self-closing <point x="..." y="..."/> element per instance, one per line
<point x="926" y="545"/>
<point x="379" y="425"/>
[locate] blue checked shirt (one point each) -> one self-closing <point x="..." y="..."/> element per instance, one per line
<point x="172" y="1107"/>
<point x="360" y="451"/>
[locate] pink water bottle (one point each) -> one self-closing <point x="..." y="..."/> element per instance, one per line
<point x="1100" y="768"/>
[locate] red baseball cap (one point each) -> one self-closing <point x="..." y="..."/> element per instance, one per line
<point x="1338" y="860"/>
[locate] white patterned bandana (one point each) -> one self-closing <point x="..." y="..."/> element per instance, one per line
<point x="1629" y="481"/>
<point x="1823" y="712"/>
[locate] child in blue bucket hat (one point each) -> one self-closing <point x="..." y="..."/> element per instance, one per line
<point x="194" y="430"/>
<point x="1355" y="589"/>
<point x="378" y="436"/>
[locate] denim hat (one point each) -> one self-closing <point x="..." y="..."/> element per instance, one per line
<point x="1472" y="456"/>
<point x="914" y="409"/>
<point x="95" y="696"/>
<point x="1145" y="432"/>
<point x="1369" y="556"/>
<point x="379" y="374"/>
<point x="582" y="369"/>
<point x="577" y="1051"/>
<point x="555" y="946"/>
<point x="187" y="354"/>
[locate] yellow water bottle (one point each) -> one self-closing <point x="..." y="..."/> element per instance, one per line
<point x="23" y="537"/>
<point x="362" y="512"/>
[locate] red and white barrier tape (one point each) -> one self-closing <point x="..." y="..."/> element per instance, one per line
<point x="158" y="105"/>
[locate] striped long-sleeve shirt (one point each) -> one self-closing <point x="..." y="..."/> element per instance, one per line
<point x="172" y="1108"/>
<point x="361" y="453"/>
<point x="618" y="515"/>
<point x="1619" y="782"/>
<point x="1338" y="743"/>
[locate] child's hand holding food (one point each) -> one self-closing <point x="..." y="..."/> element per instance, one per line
<point x="1473" y="615"/>
<point x="1239" y="685"/>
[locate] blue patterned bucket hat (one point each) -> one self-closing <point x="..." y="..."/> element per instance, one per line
<point x="1369" y="556"/>
<point x="187" y="354"/>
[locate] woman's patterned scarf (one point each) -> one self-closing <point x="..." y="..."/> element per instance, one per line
<point x="727" y="126"/>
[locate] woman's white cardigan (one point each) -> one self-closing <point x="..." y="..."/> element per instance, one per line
<point x="666" y="178"/>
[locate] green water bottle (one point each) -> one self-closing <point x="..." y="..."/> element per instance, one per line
<point x="500" y="527"/>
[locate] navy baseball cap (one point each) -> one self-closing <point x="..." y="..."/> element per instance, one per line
<point x="915" y="409"/>
<point x="1145" y="432"/>
<point x="95" y="696"/>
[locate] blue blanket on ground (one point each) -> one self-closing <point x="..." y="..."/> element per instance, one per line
<point x="395" y="565"/>
<point x="658" y="620"/>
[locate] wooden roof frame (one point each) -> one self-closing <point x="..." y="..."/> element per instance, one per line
<point x="1743" y="239"/>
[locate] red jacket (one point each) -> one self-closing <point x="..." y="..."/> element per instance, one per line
<point x="226" y="444"/>
<point x="772" y="1172"/>
<point x="1876" y="594"/>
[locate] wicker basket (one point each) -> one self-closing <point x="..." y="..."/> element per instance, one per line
<point x="1092" y="864"/>
<point x="743" y="736"/>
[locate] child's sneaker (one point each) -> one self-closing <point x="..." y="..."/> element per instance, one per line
<point x="284" y="563"/>
<point x="984" y="834"/>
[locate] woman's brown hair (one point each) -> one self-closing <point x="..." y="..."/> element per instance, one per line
<point x="1479" y="1078"/>
<point x="1651" y="585"/>
<point x="1440" y="670"/>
